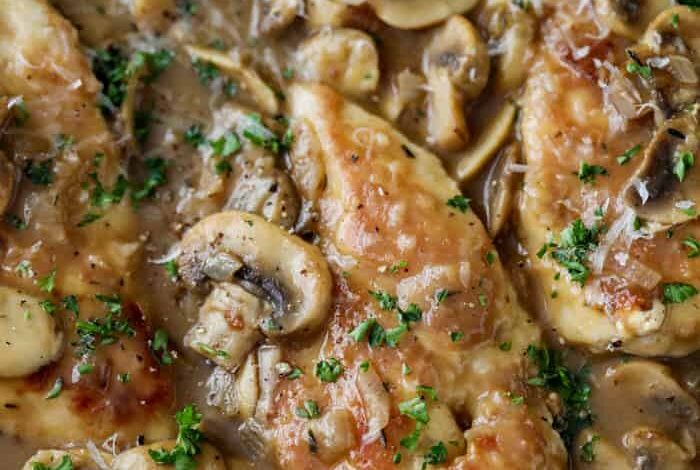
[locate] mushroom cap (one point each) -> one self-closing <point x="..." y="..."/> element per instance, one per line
<point x="661" y="191"/>
<point x="291" y="273"/>
<point x="629" y="18"/>
<point x="414" y="14"/>
<point x="28" y="341"/>
<point x="458" y="50"/>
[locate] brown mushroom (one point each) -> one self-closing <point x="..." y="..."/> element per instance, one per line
<point x="415" y="14"/>
<point x="665" y="189"/>
<point x="655" y="451"/>
<point x="629" y="18"/>
<point x="499" y="189"/>
<point x="456" y="64"/>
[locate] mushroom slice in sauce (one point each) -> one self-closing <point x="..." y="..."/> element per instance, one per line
<point x="291" y="273"/>
<point x="139" y="458"/>
<point x="499" y="189"/>
<point x="666" y="187"/>
<point x="456" y="64"/>
<point x="629" y="18"/>
<point x="248" y="79"/>
<point x="487" y="144"/>
<point x="29" y="337"/>
<point x="511" y="32"/>
<point x="414" y="14"/>
<point x="655" y="451"/>
<point x="344" y="58"/>
<point x="80" y="459"/>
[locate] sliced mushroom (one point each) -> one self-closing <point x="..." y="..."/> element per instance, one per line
<point x="7" y="182"/>
<point x="511" y="32"/>
<point x="326" y="13"/>
<point x="376" y="403"/>
<point x="80" y="459"/>
<point x="292" y="274"/>
<point x="153" y="15"/>
<point x="333" y="434"/>
<point x="139" y="458"/>
<point x="415" y="14"/>
<point x="629" y="18"/>
<point x="487" y="144"/>
<point x="276" y="15"/>
<point x="29" y="337"/>
<point x="267" y="191"/>
<point x="456" y="64"/>
<point x="665" y="189"/>
<point x="268" y="357"/>
<point x="344" y="58"/>
<point x="227" y="328"/>
<point x="671" y="49"/>
<point x="499" y="189"/>
<point x="651" y="450"/>
<point x="247" y="78"/>
<point x="235" y="395"/>
<point x="406" y="88"/>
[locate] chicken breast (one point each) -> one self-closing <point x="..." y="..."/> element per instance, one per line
<point x="74" y="261"/>
<point x="607" y="212"/>
<point x="415" y="269"/>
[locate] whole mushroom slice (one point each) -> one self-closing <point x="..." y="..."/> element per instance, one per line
<point x="29" y="337"/>
<point x="139" y="458"/>
<point x="511" y="32"/>
<point x="656" y="450"/>
<point x="276" y="15"/>
<point x="456" y="65"/>
<point x="487" y="144"/>
<point x="499" y="189"/>
<point x="75" y="459"/>
<point x="416" y="14"/>
<point x="629" y="18"/>
<point x="665" y="189"/>
<point x="228" y="325"/>
<point x="248" y="79"/>
<point x="266" y="190"/>
<point x="290" y="273"/>
<point x="343" y="58"/>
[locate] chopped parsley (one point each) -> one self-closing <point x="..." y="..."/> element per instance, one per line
<point x="143" y="122"/>
<point x="636" y="67"/>
<point x="436" y="455"/>
<point x="684" y="162"/>
<point x="56" y="389"/>
<point x="490" y="257"/>
<point x="412" y="313"/>
<point x="70" y="303"/>
<point x="456" y="336"/>
<point x="427" y="391"/>
<point x="48" y="306"/>
<point x="328" y="370"/>
<point x="505" y="346"/>
<point x="386" y="300"/>
<point x="575" y="242"/>
<point x="573" y="389"/>
<point x="295" y="373"/>
<point x="187" y="444"/>
<point x="155" y="178"/>
<point x="258" y="134"/>
<point x="442" y="295"/>
<point x="410" y="442"/>
<point x="629" y="154"/>
<point x="416" y="409"/>
<point x="222" y="148"/>
<point x="48" y="282"/>
<point x="309" y="410"/>
<point x="152" y="64"/>
<point x="102" y="331"/>
<point x="194" y="135"/>
<point x="66" y="463"/>
<point x="159" y="346"/>
<point x="64" y="142"/>
<point x="360" y="332"/>
<point x="101" y="197"/>
<point x="40" y="174"/>
<point x="459" y="202"/>
<point x="20" y="112"/>
<point x="516" y="399"/>
<point x="84" y="369"/>
<point x="206" y="71"/>
<point x="694" y="245"/>
<point x="675" y="21"/>
<point x="399" y="265"/>
<point x="111" y="68"/>
<point x="677" y="292"/>
<point x="172" y="269"/>
<point x="88" y="218"/>
<point x="587" y="173"/>
<point x="364" y="366"/>
<point x="587" y="451"/>
<point x="394" y="335"/>
<point x="15" y="221"/>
